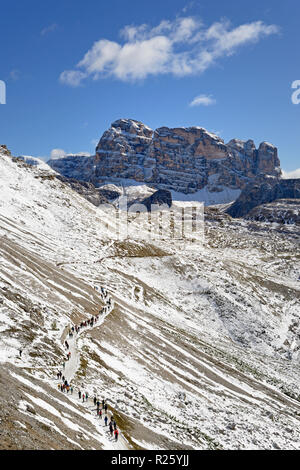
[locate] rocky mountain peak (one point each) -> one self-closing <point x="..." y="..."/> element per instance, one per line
<point x="246" y="146"/>
<point x="183" y="159"/>
<point x="131" y="126"/>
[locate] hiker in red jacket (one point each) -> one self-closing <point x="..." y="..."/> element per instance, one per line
<point x="116" y="434"/>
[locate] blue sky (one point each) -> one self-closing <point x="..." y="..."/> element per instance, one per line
<point x="72" y="67"/>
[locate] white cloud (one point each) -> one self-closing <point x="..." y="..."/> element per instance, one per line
<point x="180" y="47"/>
<point x="227" y="41"/>
<point x="72" y="77"/>
<point x="295" y="174"/>
<point x="57" y="153"/>
<point x="188" y="6"/>
<point x="15" y="75"/>
<point x="49" y="29"/>
<point x="203" y="100"/>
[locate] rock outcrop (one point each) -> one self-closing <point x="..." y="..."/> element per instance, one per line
<point x="262" y="191"/>
<point x="160" y="197"/>
<point x="185" y="160"/>
<point x="4" y="150"/>
<point x="281" y="211"/>
<point x="87" y="190"/>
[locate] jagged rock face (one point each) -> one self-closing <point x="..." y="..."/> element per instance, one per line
<point x="281" y="211"/>
<point x="78" y="167"/>
<point x="181" y="159"/>
<point x="122" y="149"/>
<point x="264" y="191"/>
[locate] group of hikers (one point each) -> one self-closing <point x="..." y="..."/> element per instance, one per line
<point x="112" y="424"/>
<point x="64" y="386"/>
<point x="67" y="387"/>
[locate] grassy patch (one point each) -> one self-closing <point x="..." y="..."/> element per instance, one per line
<point x="82" y="368"/>
<point x="137" y="250"/>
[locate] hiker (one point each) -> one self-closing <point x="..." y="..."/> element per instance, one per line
<point x="98" y="405"/>
<point x="95" y="401"/>
<point x="64" y="365"/>
<point x="116" y="434"/>
<point x="86" y="396"/>
<point x="105" y="408"/>
<point x="20" y="352"/>
<point x="71" y="389"/>
<point x="114" y="424"/>
<point x="79" y="394"/>
<point x="105" y="420"/>
<point x="83" y="398"/>
<point x="111" y="429"/>
<point x="99" y="412"/>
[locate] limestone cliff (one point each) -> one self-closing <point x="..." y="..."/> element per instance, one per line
<point x="181" y="159"/>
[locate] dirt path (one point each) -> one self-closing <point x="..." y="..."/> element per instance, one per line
<point x="69" y="372"/>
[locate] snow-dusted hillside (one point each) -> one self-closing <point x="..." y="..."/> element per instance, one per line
<point x="200" y="350"/>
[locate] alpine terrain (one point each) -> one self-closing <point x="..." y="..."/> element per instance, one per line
<point x="192" y="341"/>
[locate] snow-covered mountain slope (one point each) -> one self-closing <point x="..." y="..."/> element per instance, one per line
<point x="201" y="349"/>
<point x="38" y="162"/>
